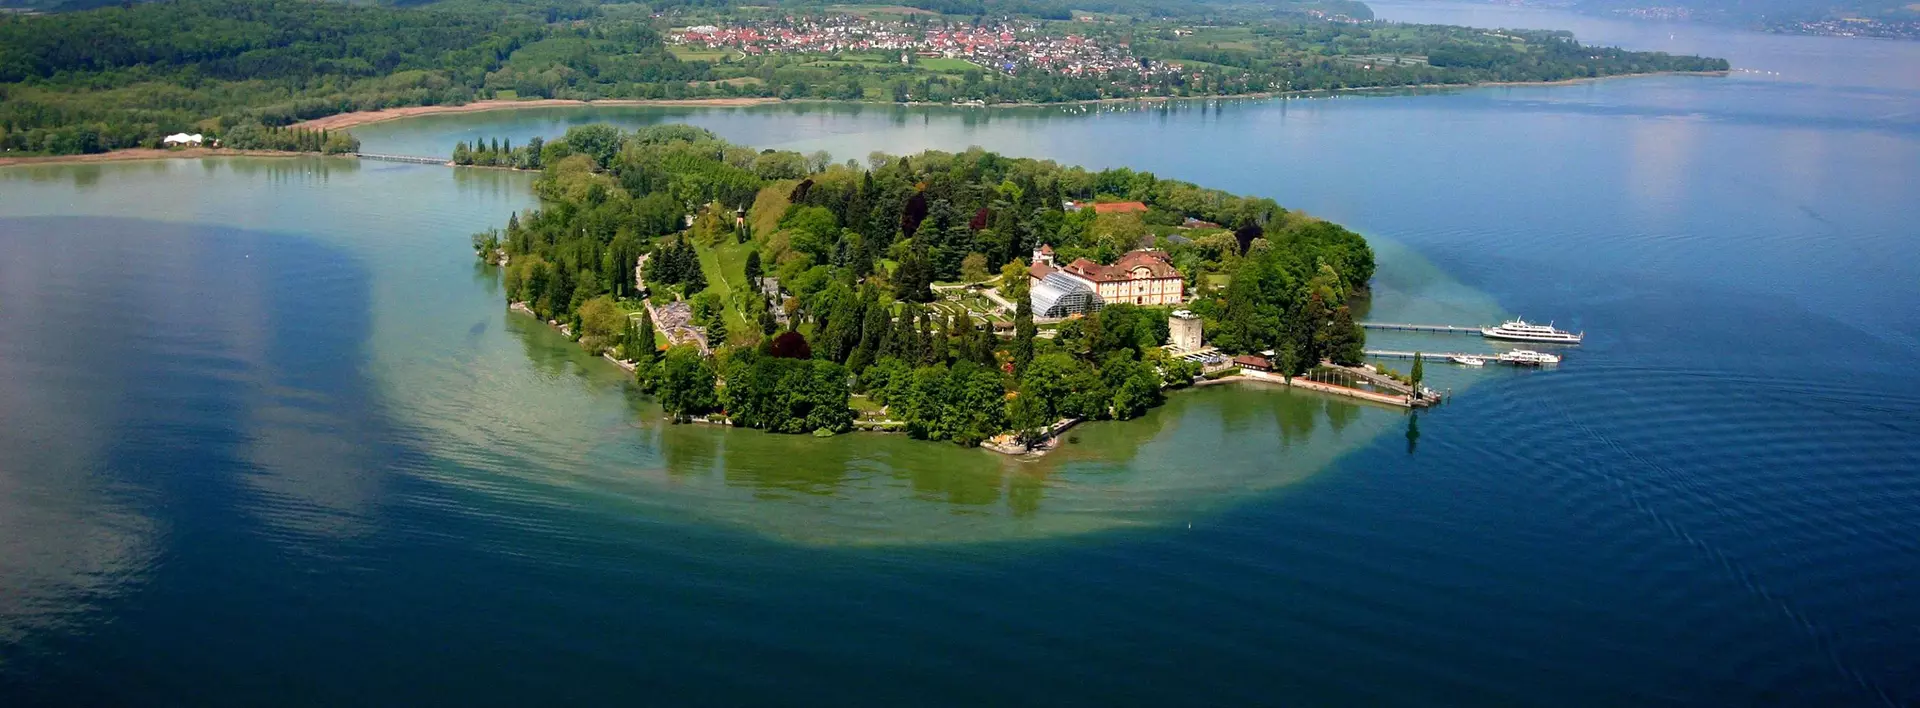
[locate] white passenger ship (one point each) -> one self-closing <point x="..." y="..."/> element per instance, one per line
<point x="1528" y="357"/>
<point x="1521" y="331"/>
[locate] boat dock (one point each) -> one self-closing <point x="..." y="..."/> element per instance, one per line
<point x="1444" y="329"/>
<point x="1444" y="357"/>
<point x="1431" y="356"/>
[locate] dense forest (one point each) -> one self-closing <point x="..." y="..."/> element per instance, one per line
<point x="125" y="76"/>
<point x="854" y="250"/>
<point x="120" y="77"/>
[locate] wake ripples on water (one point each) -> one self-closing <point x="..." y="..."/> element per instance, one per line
<point x="1739" y="482"/>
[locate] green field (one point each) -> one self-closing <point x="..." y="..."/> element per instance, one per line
<point x="865" y="406"/>
<point x="945" y="65"/>
<point x="873" y="10"/>
<point x="1222" y="37"/>
<point x="697" y="54"/>
<point x="1196" y="64"/>
<point x="725" y="267"/>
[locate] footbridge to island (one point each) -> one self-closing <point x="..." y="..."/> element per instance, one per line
<point x="413" y="159"/>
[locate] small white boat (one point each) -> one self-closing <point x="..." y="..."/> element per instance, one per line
<point x="1528" y="357"/>
<point x="1520" y="331"/>
<point x="1468" y="360"/>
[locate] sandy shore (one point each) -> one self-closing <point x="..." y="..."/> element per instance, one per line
<point x="348" y="120"/>
<point x="145" y="154"/>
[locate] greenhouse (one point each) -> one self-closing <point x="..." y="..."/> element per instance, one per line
<point x="1061" y="295"/>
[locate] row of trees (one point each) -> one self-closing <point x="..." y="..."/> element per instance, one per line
<point x="498" y="153"/>
<point x="855" y="247"/>
<point x="253" y="136"/>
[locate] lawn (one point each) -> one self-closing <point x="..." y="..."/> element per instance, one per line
<point x="1222" y="38"/>
<point x="725" y="267"/>
<point x="1196" y="64"/>
<point x="698" y="54"/>
<point x="865" y="406"/>
<point x="946" y="66"/>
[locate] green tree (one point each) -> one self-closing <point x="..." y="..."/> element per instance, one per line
<point x="940" y="341"/>
<point x="768" y="324"/>
<point x="686" y="384"/>
<point x="1135" y="385"/>
<point x="973" y="268"/>
<point x="1023" y="329"/>
<point x="1028" y="418"/>
<point x="600" y="319"/>
<point x="717" y="329"/>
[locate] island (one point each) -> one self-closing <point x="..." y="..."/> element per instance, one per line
<point x="969" y="297"/>
<point x="292" y="74"/>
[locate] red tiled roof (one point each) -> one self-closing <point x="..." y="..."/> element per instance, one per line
<point x="1155" y="263"/>
<point x="1119" y="208"/>
<point x="1040" y="271"/>
<point x="1251" y="361"/>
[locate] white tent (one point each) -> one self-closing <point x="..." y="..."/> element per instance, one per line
<point x="182" y="139"/>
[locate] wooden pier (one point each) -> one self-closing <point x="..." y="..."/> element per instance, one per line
<point x="1443" y="329"/>
<point x="1430" y="356"/>
<point x="413" y="159"/>
<point x="1446" y="357"/>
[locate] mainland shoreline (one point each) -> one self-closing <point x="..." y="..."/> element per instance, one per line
<point x="338" y="121"/>
<point x="348" y="120"/>
<point x="358" y="118"/>
<point x="133" y="154"/>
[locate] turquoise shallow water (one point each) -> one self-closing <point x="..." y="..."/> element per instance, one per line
<point x="269" y="437"/>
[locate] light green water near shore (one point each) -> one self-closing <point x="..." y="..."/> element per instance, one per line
<point x="503" y="406"/>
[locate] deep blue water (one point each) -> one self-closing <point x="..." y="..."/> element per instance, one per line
<point x="250" y="450"/>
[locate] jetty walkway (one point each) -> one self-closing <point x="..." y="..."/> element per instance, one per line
<point x="1444" y="329"/>
<point x="1513" y="357"/>
<point x="414" y="159"/>
<point x="1397" y="354"/>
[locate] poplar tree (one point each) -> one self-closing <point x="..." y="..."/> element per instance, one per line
<point x="923" y="336"/>
<point x="900" y="345"/>
<point x="938" y="352"/>
<point x="1023" y="329"/>
<point x="768" y="324"/>
<point x="644" y="353"/>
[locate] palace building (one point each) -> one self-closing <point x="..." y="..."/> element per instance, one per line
<point x="1141" y="277"/>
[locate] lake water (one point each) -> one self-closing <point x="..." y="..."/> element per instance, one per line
<point x="268" y="436"/>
